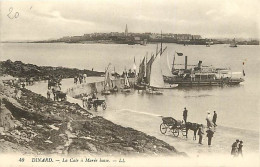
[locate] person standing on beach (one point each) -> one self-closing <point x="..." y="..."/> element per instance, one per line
<point x="84" y="77"/>
<point x="49" y="93"/>
<point x="240" y="146"/>
<point x="208" y="119"/>
<point x="185" y="115"/>
<point x="214" y="118"/>
<point x="234" y="150"/>
<point x="200" y="133"/>
<point x="209" y="135"/>
<point x="75" y="80"/>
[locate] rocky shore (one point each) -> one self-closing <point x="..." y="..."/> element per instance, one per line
<point x="22" y="70"/>
<point x="43" y="126"/>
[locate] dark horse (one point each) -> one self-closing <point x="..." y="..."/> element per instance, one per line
<point x="192" y="126"/>
<point x="59" y="95"/>
<point x="50" y="84"/>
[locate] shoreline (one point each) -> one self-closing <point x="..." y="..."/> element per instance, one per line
<point x="73" y="130"/>
<point x="138" y="120"/>
<point x="153" y="42"/>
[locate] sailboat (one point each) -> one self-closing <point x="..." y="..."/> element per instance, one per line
<point x="233" y="43"/>
<point x="155" y="78"/>
<point x="126" y="87"/>
<point x="140" y="83"/>
<point x="107" y="82"/>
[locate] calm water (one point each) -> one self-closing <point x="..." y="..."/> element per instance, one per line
<point x="236" y="106"/>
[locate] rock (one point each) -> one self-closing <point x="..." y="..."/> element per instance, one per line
<point x="92" y="147"/>
<point x="53" y="127"/>
<point x="39" y="126"/>
<point x="84" y="137"/>
<point x="48" y="141"/>
<point x="129" y="148"/>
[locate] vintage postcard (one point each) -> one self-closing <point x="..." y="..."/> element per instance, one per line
<point x="131" y="83"/>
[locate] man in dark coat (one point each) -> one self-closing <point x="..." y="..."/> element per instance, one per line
<point x="209" y="135"/>
<point x="234" y="150"/>
<point x="200" y="133"/>
<point x="185" y="114"/>
<point x="214" y="118"/>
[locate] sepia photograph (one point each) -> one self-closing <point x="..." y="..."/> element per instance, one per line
<point x="129" y="83"/>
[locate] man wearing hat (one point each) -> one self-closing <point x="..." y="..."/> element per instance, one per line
<point x="185" y="114"/>
<point x="209" y="135"/>
<point x="214" y="118"/>
<point x="234" y="150"/>
<point x="240" y="146"/>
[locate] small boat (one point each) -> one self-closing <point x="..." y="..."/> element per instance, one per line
<point x="126" y="87"/>
<point x="153" y="91"/>
<point x="107" y="82"/>
<point x="114" y="89"/>
<point x="140" y="82"/>
<point x="139" y="86"/>
<point x="233" y="43"/>
<point x="209" y="43"/>
<point x="154" y="75"/>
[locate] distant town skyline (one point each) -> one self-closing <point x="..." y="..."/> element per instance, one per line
<point x="42" y="20"/>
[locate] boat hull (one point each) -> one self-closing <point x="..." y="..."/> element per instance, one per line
<point x="105" y="92"/>
<point x="126" y="90"/>
<point x="139" y="87"/>
<point x="219" y="82"/>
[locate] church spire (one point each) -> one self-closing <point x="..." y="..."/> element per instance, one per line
<point x="126" y="30"/>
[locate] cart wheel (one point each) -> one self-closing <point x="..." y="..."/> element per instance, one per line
<point x="175" y="132"/>
<point x="163" y="128"/>
<point x="104" y="105"/>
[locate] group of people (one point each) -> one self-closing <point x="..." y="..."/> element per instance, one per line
<point x="53" y="90"/>
<point x="237" y="148"/>
<point x="80" y="78"/>
<point x="88" y="98"/>
<point x="209" y="132"/>
<point x="211" y="122"/>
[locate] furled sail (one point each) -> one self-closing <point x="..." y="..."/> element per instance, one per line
<point x="141" y="71"/>
<point x="148" y="69"/>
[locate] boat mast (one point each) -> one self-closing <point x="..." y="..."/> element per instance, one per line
<point x="173" y="61"/>
<point x="161" y="42"/>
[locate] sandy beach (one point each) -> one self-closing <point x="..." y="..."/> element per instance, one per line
<point x="221" y="142"/>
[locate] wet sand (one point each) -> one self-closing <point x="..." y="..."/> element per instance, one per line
<point x="149" y="123"/>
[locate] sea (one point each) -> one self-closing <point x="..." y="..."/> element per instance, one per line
<point x="237" y="106"/>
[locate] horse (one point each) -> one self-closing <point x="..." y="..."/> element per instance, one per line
<point x="192" y="126"/>
<point x="60" y="95"/>
<point x="51" y="83"/>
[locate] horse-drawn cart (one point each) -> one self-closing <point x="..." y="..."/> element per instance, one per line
<point x="95" y="103"/>
<point x="172" y="125"/>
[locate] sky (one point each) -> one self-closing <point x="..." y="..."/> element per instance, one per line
<point x="51" y="19"/>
